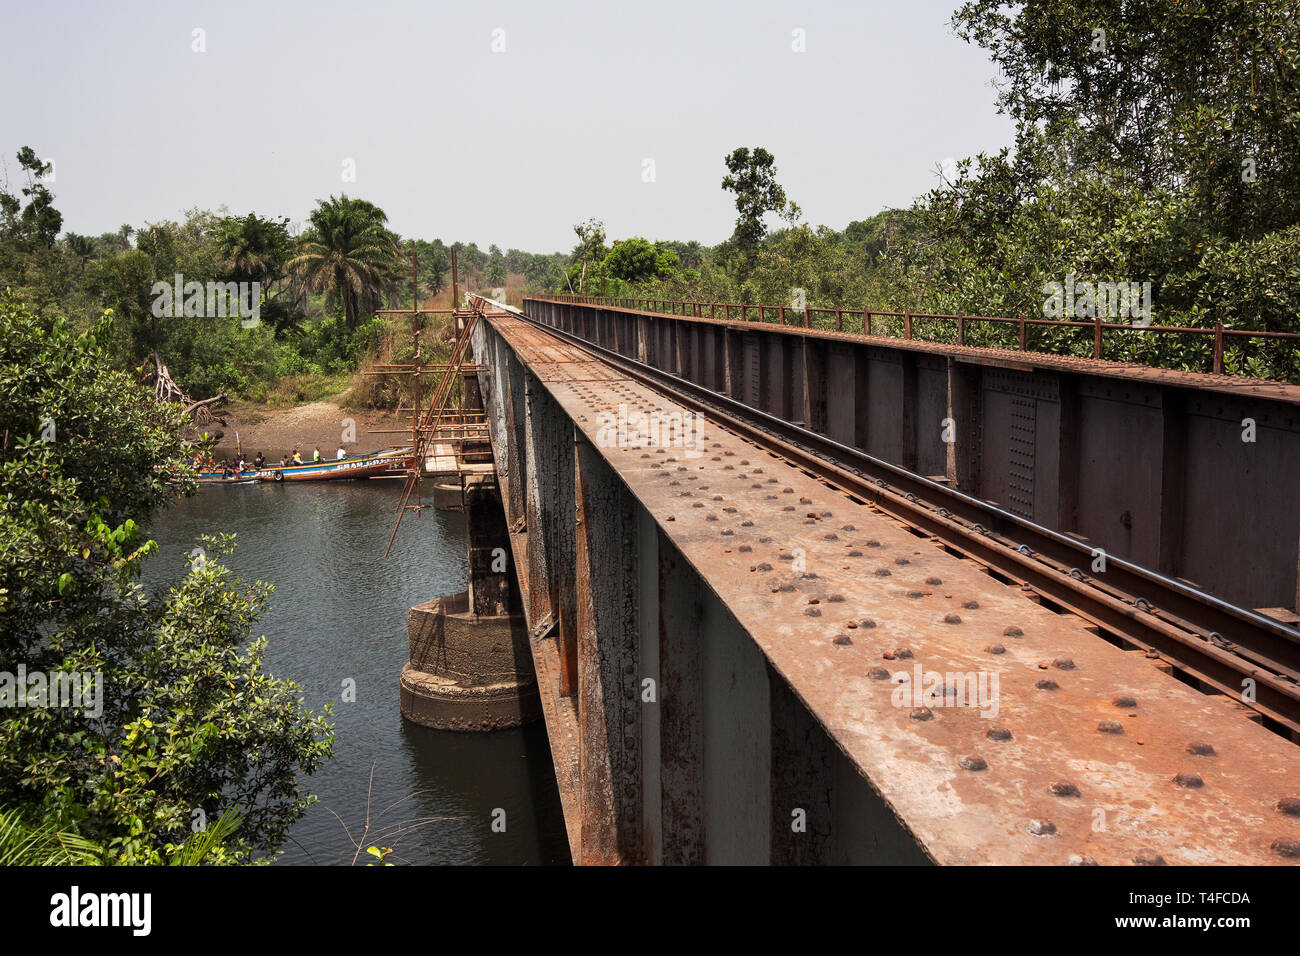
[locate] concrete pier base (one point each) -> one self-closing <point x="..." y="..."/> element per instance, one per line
<point x="467" y="672"/>
<point x="471" y="667"/>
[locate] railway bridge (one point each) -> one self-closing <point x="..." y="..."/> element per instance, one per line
<point x="811" y="596"/>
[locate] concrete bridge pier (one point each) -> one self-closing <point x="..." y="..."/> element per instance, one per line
<point x="470" y="666"/>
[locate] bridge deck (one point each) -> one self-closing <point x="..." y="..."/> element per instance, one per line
<point x="1091" y="753"/>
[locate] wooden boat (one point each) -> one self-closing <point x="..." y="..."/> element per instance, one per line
<point x="374" y="465"/>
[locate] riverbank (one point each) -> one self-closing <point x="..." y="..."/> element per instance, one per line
<point x="323" y="425"/>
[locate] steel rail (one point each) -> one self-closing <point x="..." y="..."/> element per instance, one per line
<point x="1217" y="643"/>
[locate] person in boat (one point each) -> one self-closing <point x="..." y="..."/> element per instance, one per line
<point x="342" y="454"/>
<point x="315" y="455"/>
<point x="225" y="468"/>
<point x="259" y="461"/>
<point x="297" y="458"/>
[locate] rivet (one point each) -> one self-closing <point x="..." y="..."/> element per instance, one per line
<point x="765" y="566"/>
<point x="873" y="543"/>
<point x="1287" y="848"/>
<point x="843" y="639"/>
<point x="1188" y="781"/>
<point x="996" y="649"/>
<point x="1201" y="749"/>
<point x="1290" y="806"/>
<point x="952" y="619"/>
<point x="883" y="572"/>
<point x="1042" y="828"/>
<point x="998" y="733"/>
<point x="855" y="554"/>
<point x="902" y="561"/>
<point x="934" y="582"/>
<point x="1013" y="632"/>
<point x="1081" y="859"/>
<point x="1110" y="727"/>
<point x="973" y="762"/>
<point x="921" y="713"/>
<point x="1063" y="788"/>
<point x="1125" y="702"/>
<point x="812" y="612"/>
<point x="903" y="653"/>
<point x="867" y="622"/>
<point x="971" y="605"/>
<point x="1047" y="684"/>
<point x="1149" y="858"/>
<point x="878" y="673"/>
<point x="1063" y="663"/>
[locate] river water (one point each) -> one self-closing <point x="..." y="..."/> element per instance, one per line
<point x="338" y="612"/>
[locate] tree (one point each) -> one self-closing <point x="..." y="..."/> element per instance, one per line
<point x="636" y="259"/>
<point x="182" y="718"/>
<point x="590" y="247"/>
<point x="496" y="270"/>
<point x="752" y="177"/>
<point x="1197" y="98"/>
<point x="350" y="254"/>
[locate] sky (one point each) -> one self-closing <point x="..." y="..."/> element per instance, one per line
<point x="489" y="121"/>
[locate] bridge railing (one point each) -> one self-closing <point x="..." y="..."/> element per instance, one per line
<point x="914" y="326"/>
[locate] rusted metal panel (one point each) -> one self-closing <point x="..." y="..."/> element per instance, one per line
<point x="803" y="773"/>
<point x="1092" y="755"/>
<point x="608" y="665"/>
<point x="680" y="710"/>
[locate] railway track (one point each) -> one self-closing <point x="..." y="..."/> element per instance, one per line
<point x="1208" y="643"/>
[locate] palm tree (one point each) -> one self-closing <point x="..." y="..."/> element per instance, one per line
<point x="349" y="253"/>
<point x="253" y="249"/>
<point x="81" y="247"/>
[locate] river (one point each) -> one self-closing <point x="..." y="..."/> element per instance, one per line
<point x="338" y="611"/>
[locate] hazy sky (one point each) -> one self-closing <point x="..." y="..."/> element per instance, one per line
<point x="457" y="141"/>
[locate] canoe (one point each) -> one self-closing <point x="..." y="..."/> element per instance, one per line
<point x="374" y="465"/>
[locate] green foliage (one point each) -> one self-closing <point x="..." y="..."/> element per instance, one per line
<point x="636" y="259"/>
<point x="751" y="175"/>
<point x="184" y="718"/>
<point x="350" y="254"/>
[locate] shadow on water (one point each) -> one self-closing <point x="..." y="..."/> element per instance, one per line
<point x="338" y="615"/>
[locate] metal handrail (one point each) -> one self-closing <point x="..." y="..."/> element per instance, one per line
<point x="745" y="312"/>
